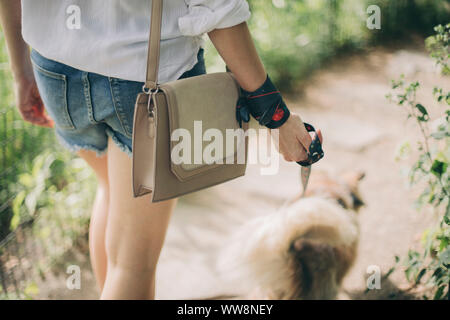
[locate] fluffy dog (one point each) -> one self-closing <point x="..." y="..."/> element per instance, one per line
<point x="303" y="251"/>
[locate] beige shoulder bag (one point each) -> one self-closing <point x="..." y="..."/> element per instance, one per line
<point x="185" y="136"/>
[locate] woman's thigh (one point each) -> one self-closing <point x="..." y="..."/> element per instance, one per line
<point x="136" y="227"/>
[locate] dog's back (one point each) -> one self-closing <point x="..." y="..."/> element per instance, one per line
<point x="302" y="251"/>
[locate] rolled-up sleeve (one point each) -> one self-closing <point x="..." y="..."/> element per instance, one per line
<point x="206" y="15"/>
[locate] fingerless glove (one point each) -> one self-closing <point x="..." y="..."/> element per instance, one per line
<point x="265" y="104"/>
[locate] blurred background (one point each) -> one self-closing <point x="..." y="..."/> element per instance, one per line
<point x="337" y="73"/>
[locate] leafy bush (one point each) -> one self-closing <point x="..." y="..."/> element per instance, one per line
<point x="50" y="217"/>
<point x="58" y="184"/>
<point x="431" y="266"/>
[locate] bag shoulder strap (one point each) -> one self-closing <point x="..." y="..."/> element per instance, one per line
<point x="153" y="51"/>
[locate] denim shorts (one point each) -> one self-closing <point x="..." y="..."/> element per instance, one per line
<point x="87" y="107"/>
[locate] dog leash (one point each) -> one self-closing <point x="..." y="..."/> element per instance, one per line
<point x="315" y="153"/>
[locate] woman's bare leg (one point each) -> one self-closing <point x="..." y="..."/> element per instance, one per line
<point x="97" y="227"/>
<point x="135" y="234"/>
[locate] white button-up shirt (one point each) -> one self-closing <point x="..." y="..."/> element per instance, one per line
<point x="110" y="37"/>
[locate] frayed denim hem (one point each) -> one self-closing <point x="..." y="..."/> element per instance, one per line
<point x="120" y="144"/>
<point x="75" y="148"/>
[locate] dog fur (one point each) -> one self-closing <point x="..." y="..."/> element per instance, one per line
<point x="304" y="250"/>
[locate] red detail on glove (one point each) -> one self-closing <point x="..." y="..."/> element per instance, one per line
<point x="278" y="115"/>
<point x="263" y="95"/>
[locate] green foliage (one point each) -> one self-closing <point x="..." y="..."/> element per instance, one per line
<point x="54" y="175"/>
<point x="438" y="45"/>
<point x="402" y="18"/>
<point x="56" y="195"/>
<point x="64" y="205"/>
<point x="295" y="37"/>
<point x="20" y="143"/>
<point x="431" y="266"/>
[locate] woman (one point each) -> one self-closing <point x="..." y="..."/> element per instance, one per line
<point x="87" y="66"/>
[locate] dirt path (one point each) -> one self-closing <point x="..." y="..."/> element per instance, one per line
<point x="362" y="131"/>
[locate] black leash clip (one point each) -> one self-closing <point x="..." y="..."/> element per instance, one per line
<point x="315" y="152"/>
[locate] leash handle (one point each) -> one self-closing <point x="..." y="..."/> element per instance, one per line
<point x="315" y="152"/>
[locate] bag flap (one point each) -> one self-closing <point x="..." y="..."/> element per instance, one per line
<point x="203" y="127"/>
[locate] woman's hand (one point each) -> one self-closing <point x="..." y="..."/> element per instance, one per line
<point x="28" y="99"/>
<point x="294" y="140"/>
<point x="29" y="102"/>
